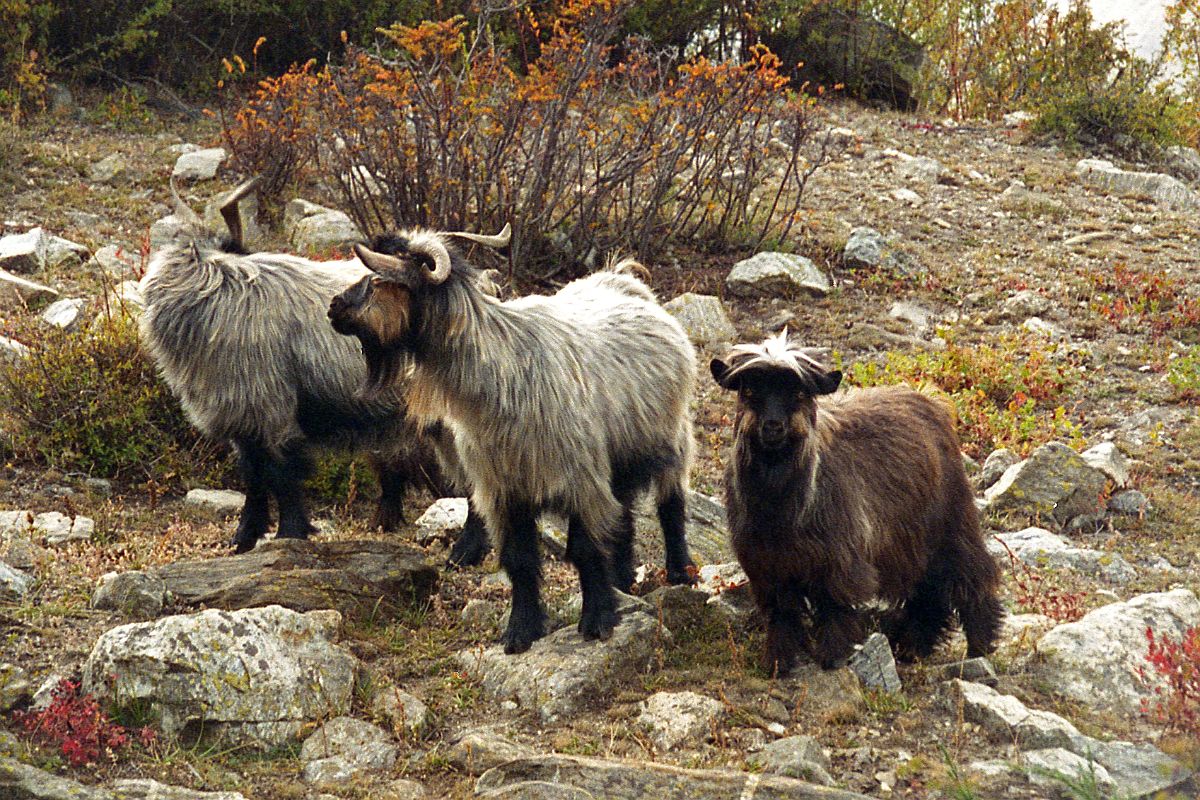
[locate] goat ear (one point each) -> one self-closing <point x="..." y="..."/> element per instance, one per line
<point x="828" y="382"/>
<point x="720" y="373"/>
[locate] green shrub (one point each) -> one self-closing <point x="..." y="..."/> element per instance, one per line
<point x="91" y="401"/>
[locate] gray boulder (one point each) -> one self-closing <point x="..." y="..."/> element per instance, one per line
<point x="366" y="579"/>
<point x="1023" y="304"/>
<point x="674" y="718"/>
<point x="313" y="228"/>
<point x="1054" y="483"/>
<point x="1130" y="502"/>
<point x="562" y="672"/>
<point x="405" y="714"/>
<point x="1095" y="659"/>
<point x="1162" y="189"/>
<point x="114" y="260"/>
<point x="252" y="232"/>
<point x="1005" y="718"/>
<point x="704" y="318"/>
<point x="921" y="169"/>
<point x="976" y="670"/>
<point x="867" y="248"/>
<point x="345" y="747"/>
<point x="62" y="252"/>
<point x="24" y="253"/>
<point x="776" y="274"/>
<point x="253" y="677"/>
<point x="1048" y="769"/>
<point x="707" y="530"/>
<point x="199" y="165"/>
<point x="133" y="593"/>
<point x="12" y="351"/>
<point x="632" y="780"/>
<point x="22" y="782"/>
<point x="796" y="757"/>
<point x="146" y="789"/>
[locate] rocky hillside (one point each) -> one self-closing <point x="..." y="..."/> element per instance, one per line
<point x="1049" y="294"/>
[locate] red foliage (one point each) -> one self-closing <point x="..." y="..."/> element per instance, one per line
<point x="1176" y="681"/>
<point x="74" y="723"/>
<point x="1036" y="594"/>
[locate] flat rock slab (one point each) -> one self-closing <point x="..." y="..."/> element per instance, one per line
<point x="633" y="780"/>
<point x="254" y="677"/>
<point x="563" y="672"/>
<point x="358" y="578"/>
<point x="1163" y="189"/>
<point x="221" y="501"/>
<point x="776" y="274"/>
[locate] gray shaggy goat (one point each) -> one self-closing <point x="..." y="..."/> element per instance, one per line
<point x="242" y="341"/>
<point x="573" y="403"/>
<point x="859" y="497"/>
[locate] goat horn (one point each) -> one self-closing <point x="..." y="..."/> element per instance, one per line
<point x="431" y="245"/>
<point x="229" y="209"/>
<point x="376" y="261"/>
<point x="497" y="242"/>
<point x="182" y="210"/>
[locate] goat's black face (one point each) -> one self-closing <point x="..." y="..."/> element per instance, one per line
<point x="776" y="407"/>
<point x="344" y="309"/>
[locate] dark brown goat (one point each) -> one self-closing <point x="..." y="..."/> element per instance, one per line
<point x="861" y="497"/>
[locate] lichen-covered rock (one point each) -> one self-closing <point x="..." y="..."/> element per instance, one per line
<point x="1095" y="660"/>
<point x="146" y="789"/>
<point x="1108" y="458"/>
<point x="1039" y="547"/>
<point x="22" y="782"/>
<point x="703" y="317"/>
<point x="633" y="780"/>
<point x="16" y="292"/>
<point x="134" y="593"/>
<point x="707" y="530"/>
<point x="562" y="672"/>
<point x="404" y="713"/>
<point x="674" y="718"/>
<point x="113" y="168"/>
<point x="776" y="274"/>
<point x="1053" y="483"/>
<point x="1005" y="718"/>
<point x="345" y="747"/>
<point x="994" y="466"/>
<point x="252" y="677"/>
<point x="15" y="686"/>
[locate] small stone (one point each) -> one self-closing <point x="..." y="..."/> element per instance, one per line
<point x="703" y="318"/>
<point x="1109" y="460"/>
<point x="113" y="168"/>
<point x="995" y="465"/>
<point x="1018" y="119"/>
<point x="200" y="165"/>
<point x="15" y="686"/>
<point x="797" y="757"/>
<point x="64" y="253"/>
<point x="922" y="169"/>
<point x="1130" y="502"/>
<point x="1039" y="326"/>
<point x="1165" y="190"/>
<point x="24" y="253"/>
<point x="479" y="749"/>
<point x="133" y="593"/>
<point x="404" y="713"/>
<point x="14" y="584"/>
<point x="479" y="613"/>
<point x="12" y="351"/>
<point x="402" y="789"/>
<point x="674" y="718"/>
<point x="219" y="501"/>
<point x="114" y="260"/>
<point x="976" y="670"/>
<point x="442" y="521"/>
<point x="65" y="314"/>
<point x="781" y="274"/>
<point x="875" y="665"/>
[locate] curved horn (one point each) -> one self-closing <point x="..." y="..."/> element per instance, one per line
<point x="229" y="209"/>
<point x="431" y="245"/>
<point x="376" y="261"/>
<point x="497" y="242"/>
<point x="182" y="210"/>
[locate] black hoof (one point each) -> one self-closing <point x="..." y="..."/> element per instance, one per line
<point x="687" y="576"/>
<point x="598" y="625"/>
<point x="467" y="554"/>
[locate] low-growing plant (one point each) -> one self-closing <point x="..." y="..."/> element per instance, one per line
<point x="1004" y="394"/>
<point x="1040" y="593"/>
<point x="1183" y="374"/>
<point x="78" y="728"/>
<point x="1138" y="300"/>
<point x="1172" y="669"/>
<point x="90" y="401"/>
